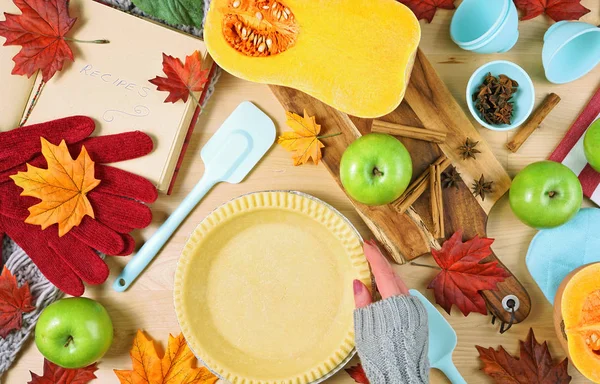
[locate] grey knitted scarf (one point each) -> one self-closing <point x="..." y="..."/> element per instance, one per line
<point x="21" y="266"/>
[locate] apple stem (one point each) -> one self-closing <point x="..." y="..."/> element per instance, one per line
<point x="69" y="340"/>
<point x="377" y="172"/>
<point x="425" y="265"/>
<point x="551" y="194"/>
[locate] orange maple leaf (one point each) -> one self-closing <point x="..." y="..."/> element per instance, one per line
<point x="303" y="141"/>
<point x="62" y="187"/>
<point x="176" y="366"/>
<point x="182" y="80"/>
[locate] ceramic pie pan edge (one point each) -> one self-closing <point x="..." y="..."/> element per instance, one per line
<point x="290" y="200"/>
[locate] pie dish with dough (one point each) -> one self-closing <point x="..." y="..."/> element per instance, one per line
<point x="263" y="289"/>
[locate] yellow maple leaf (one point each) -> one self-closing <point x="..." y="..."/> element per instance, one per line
<point x="62" y="187"/>
<point x="303" y="141"/>
<point x="175" y="367"/>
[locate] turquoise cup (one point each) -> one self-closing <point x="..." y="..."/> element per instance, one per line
<point x="571" y="50"/>
<point x="485" y="26"/>
<point x="523" y="99"/>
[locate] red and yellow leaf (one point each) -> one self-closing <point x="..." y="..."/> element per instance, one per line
<point x="534" y="365"/>
<point x="62" y="188"/>
<point x="358" y="374"/>
<point x="181" y="79"/>
<point x="14" y="302"/>
<point x="53" y="374"/>
<point x="463" y="274"/>
<point x="557" y="10"/>
<point x="176" y="366"/>
<point x="425" y="9"/>
<point x="40" y="30"/>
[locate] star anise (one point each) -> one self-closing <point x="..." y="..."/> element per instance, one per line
<point x="482" y="187"/>
<point x="451" y="178"/>
<point x="468" y="150"/>
<point x="493" y="99"/>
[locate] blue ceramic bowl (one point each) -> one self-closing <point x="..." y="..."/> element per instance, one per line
<point x="485" y="26"/>
<point x="571" y="50"/>
<point x="523" y="99"/>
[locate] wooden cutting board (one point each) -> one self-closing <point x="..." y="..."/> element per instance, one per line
<point x="406" y="236"/>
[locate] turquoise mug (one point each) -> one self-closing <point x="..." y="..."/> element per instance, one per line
<point x="571" y="50"/>
<point x="485" y="26"/>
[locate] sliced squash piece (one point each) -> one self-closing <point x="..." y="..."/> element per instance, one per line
<point x="354" y="55"/>
<point x="577" y="319"/>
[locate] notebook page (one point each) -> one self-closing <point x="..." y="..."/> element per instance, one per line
<point x="110" y="83"/>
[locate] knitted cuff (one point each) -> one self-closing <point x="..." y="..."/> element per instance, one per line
<point x="395" y="314"/>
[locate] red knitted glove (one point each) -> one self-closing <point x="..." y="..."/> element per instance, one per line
<point x="67" y="260"/>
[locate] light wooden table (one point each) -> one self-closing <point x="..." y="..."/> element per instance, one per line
<point x="148" y="304"/>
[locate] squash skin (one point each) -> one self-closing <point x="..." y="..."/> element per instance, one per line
<point x="354" y="55"/>
<point x="569" y="308"/>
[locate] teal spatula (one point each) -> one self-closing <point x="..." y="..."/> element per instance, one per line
<point x="230" y="154"/>
<point x="442" y="341"/>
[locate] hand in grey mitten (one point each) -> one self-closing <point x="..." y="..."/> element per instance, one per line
<point x="392" y="335"/>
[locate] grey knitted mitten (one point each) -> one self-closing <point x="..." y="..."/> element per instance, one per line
<point x="392" y="338"/>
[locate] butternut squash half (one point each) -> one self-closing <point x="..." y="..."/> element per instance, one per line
<point x="577" y="319"/>
<point x="354" y="55"/>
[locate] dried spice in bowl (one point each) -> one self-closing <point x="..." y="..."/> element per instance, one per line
<point x="493" y="99"/>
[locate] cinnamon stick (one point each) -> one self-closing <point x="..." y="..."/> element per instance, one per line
<point x="437" y="201"/>
<point x="420" y="185"/>
<point x="533" y="123"/>
<point x="408" y="131"/>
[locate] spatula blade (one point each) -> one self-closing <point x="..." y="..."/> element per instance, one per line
<point x="258" y="131"/>
<point x="442" y="337"/>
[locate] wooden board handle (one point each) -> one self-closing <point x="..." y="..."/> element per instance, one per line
<point x="498" y="301"/>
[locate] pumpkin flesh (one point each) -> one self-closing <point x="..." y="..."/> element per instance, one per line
<point x="580" y="308"/>
<point x="354" y="55"/>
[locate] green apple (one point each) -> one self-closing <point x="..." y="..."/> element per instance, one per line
<point x="545" y="194"/>
<point x="376" y="169"/>
<point x="591" y="145"/>
<point x="74" y="332"/>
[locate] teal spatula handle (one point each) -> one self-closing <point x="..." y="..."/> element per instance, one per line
<point x="447" y="366"/>
<point x="149" y="250"/>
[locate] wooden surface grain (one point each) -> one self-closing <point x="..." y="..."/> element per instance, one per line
<point x="148" y="304"/>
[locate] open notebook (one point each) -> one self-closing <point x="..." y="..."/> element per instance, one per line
<point x="110" y="84"/>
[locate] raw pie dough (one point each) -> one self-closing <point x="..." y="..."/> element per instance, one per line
<point x="263" y="290"/>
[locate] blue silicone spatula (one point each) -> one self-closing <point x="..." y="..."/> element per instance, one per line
<point x="230" y="154"/>
<point x="442" y="341"/>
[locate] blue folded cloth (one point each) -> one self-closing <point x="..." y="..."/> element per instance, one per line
<point x="554" y="253"/>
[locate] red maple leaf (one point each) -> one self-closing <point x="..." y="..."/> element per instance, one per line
<point x="558" y="10"/>
<point x="463" y="275"/>
<point x="535" y="364"/>
<point x="425" y="9"/>
<point x="358" y="374"/>
<point x="181" y="80"/>
<point x="40" y="30"/>
<point x="53" y="374"/>
<point x="14" y="302"/>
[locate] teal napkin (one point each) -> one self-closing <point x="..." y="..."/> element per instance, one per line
<point x="554" y="253"/>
